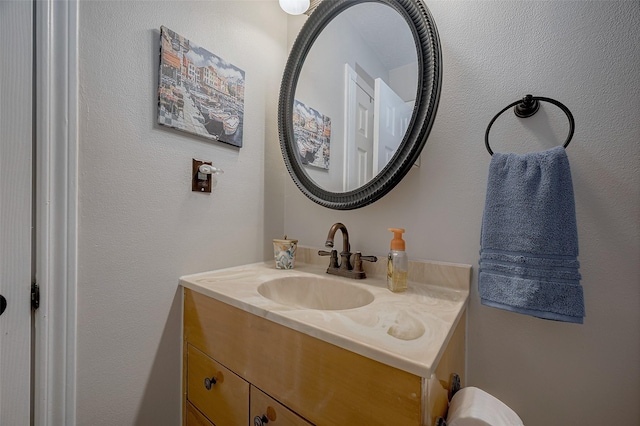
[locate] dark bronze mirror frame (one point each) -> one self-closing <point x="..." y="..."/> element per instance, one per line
<point x="429" y="54"/>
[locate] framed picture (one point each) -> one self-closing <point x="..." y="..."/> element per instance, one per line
<point x="312" y="134"/>
<point x="199" y="92"/>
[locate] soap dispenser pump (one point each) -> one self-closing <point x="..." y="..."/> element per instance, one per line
<point x="397" y="263"/>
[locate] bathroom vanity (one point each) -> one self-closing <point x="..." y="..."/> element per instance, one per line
<point x="300" y="347"/>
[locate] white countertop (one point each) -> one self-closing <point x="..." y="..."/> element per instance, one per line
<point x="426" y="310"/>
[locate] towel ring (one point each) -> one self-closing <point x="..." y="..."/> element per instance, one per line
<point x="527" y="107"/>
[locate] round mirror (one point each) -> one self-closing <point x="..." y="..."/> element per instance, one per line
<point x="358" y="98"/>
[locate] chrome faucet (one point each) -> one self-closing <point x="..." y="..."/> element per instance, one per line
<point x="344" y="269"/>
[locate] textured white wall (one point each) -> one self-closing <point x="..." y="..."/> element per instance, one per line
<point x="586" y="55"/>
<point x="141" y="227"/>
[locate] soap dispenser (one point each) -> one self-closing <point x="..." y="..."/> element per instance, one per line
<point x="397" y="263"/>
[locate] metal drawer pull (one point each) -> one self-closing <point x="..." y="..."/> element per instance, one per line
<point x="210" y="381"/>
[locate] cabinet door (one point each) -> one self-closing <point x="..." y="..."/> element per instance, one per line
<point x="195" y="418"/>
<point x="217" y="392"/>
<point x="265" y="409"/>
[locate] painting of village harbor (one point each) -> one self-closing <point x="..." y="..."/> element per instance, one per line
<point x="312" y="133"/>
<point x="199" y="92"/>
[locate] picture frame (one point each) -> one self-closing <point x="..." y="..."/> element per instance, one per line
<point x="312" y="134"/>
<point x="198" y="91"/>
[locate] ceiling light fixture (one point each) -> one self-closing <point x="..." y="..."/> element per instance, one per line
<point x="294" y="7"/>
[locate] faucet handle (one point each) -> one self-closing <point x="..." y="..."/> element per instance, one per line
<point x="357" y="262"/>
<point x="333" y="262"/>
<point x="368" y="258"/>
<point x="359" y="256"/>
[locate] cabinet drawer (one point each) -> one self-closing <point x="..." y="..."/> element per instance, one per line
<point x="195" y="418"/>
<point x="216" y="391"/>
<point x="276" y="413"/>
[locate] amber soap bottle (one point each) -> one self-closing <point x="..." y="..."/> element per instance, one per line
<point x="397" y="263"/>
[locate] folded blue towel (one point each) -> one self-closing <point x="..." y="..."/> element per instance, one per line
<point x="529" y="239"/>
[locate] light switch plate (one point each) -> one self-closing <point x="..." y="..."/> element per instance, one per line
<point x="198" y="184"/>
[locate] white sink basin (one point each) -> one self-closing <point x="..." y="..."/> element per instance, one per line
<point x="315" y="293"/>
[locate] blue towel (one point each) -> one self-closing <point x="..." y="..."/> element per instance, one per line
<point x="529" y="238"/>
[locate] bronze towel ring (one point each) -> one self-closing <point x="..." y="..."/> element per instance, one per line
<point x="528" y="106"/>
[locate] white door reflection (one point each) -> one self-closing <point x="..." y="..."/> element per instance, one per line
<point x="393" y="115"/>
<point x="359" y="147"/>
<point x="381" y="121"/>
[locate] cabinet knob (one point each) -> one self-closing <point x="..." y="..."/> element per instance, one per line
<point x="261" y="420"/>
<point x="210" y="381"/>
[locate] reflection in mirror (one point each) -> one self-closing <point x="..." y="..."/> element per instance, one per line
<point x="355" y="96"/>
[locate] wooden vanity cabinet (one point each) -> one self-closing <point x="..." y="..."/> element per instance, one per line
<point x="305" y="380"/>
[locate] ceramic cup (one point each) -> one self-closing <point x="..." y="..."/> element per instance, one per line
<point x="284" y="253"/>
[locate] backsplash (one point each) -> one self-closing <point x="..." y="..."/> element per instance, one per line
<point x="450" y="275"/>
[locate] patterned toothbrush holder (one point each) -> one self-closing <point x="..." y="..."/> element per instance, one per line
<point x="284" y="253"/>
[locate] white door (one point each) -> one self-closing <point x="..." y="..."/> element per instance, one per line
<point x="392" y="120"/>
<point x="16" y="38"/>
<point x="360" y="155"/>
